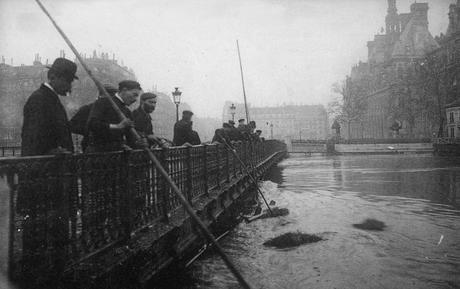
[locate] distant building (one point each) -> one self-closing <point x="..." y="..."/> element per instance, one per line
<point x="18" y="82"/>
<point x="385" y="89"/>
<point x="453" y="119"/>
<point x="289" y="121"/>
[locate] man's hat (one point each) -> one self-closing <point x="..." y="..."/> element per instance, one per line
<point x="241" y="119"/>
<point x="64" y="67"/>
<point x="231" y="122"/>
<point x="129" y="84"/>
<point x="147" y="95"/>
<point x="187" y="112"/>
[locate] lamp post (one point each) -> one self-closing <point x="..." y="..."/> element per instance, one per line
<point x="176" y="97"/>
<point x="232" y="111"/>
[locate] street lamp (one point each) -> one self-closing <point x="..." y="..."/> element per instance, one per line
<point x="232" y="111"/>
<point x="176" y="97"/>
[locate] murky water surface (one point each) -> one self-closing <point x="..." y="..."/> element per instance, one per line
<point x="418" y="198"/>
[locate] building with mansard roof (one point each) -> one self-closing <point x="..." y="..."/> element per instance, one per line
<point x="384" y="89"/>
<point x="286" y="121"/>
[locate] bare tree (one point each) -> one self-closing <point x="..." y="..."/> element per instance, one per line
<point x="351" y="103"/>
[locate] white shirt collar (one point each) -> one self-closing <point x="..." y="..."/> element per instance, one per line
<point x="119" y="97"/>
<point x="50" y="87"/>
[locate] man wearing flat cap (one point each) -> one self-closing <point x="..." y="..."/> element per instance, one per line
<point x="183" y="131"/>
<point x="106" y="131"/>
<point x="45" y="128"/>
<point x="143" y="120"/>
<point x="79" y="122"/>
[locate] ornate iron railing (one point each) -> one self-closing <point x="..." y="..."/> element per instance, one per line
<point x="66" y="208"/>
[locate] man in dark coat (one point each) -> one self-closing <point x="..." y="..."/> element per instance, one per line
<point x="79" y="122"/>
<point x="45" y="131"/>
<point x="183" y="132"/>
<point x="106" y="131"/>
<point x="222" y="134"/>
<point x="45" y="128"/>
<point x="233" y="133"/>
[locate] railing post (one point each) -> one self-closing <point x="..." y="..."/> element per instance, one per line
<point x="189" y="183"/>
<point x="164" y="188"/>
<point x="126" y="202"/>
<point x="205" y="168"/>
<point x="60" y="223"/>
<point x="227" y="160"/>
<point x="11" y="222"/>
<point x="218" y="166"/>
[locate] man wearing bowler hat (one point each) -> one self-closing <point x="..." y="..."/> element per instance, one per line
<point x="45" y="131"/>
<point x="45" y="128"/>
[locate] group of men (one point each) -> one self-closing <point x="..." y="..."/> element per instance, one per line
<point x="244" y="132"/>
<point x="47" y="130"/>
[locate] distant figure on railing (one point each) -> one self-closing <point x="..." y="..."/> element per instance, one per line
<point x="234" y="134"/>
<point x="143" y="120"/>
<point x="243" y="129"/>
<point x="183" y="131"/>
<point x="79" y="122"/>
<point x="258" y="138"/>
<point x="45" y="128"/>
<point x="106" y="132"/>
<point x="222" y="133"/>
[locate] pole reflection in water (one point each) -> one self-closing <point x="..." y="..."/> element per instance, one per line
<point x="417" y="197"/>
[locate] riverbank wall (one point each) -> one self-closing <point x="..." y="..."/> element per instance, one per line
<point x="360" y="146"/>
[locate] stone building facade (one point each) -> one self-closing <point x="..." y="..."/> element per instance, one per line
<point x="390" y="88"/>
<point x="289" y="121"/>
<point x="18" y="82"/>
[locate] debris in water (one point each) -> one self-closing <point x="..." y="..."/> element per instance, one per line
<point x="276" y="212"/>
<point x="371" y="224"/>
<point x="292" y="240"/>
<point x="440" y="239"/>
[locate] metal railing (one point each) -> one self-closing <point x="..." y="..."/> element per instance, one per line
<point x="10" y="150"/>
<point x="66" y="208"/>
<point x="383" y="141"/>
<point x="446" y="140"/>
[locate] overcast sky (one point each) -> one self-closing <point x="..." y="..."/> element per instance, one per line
<point x="292" y="51"/>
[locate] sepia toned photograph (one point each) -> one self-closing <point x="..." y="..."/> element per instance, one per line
<point x="214" y="144"/>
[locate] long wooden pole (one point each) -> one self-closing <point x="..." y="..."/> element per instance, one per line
<point x="242" y="82"/>
<point x="155" y="161"/>
<point x="253" y="179"/>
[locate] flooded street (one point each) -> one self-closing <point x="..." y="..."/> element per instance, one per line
<point x="417" y="197"/>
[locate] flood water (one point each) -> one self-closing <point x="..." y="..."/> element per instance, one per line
<point x="416" y="196"/>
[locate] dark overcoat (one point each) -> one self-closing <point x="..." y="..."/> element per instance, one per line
<point x="102" y="138"/>
<point x="183" y="133"/>
<point x="142" y="122"/>
<point x="45" y="126"/>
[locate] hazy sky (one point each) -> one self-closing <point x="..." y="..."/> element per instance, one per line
<point x="292" y="50"/>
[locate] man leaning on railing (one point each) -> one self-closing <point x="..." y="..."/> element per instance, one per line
<point x="45" y="131"/>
